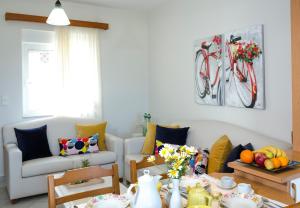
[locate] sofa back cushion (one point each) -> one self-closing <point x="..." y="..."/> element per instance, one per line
<point x="87" y="130"/>
<point x="203" y="133"/>
<point x="33" y="143"/>
<point x="218" y="154"/>
<point x="57" y="127"/>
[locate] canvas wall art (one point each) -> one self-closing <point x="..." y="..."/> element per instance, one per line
<point x="208" y="70"/>
<point x="244" y="68"/>
<point x="229" y="69"/>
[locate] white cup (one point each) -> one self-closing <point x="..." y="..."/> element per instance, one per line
<point x="244" y="188"/>
<point x="227" y="181"/>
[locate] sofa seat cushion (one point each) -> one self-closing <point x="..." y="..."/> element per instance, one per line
<point x="99" y="158"/>
<point x="45" y="165"/>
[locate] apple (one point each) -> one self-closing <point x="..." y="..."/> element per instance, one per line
<point x="260" y="159"/>
<point x="269" y="164"/>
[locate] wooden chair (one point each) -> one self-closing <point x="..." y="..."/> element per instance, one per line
<point x="82" y="174"/>
<point x="135" y="166"/>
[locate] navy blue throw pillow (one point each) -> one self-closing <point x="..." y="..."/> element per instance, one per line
<point x="176" y="136"/>
<point x="33" y="143"/>
<point x="234" y="155"/>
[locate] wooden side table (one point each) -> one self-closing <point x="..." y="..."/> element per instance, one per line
<point x="280" y="181"/>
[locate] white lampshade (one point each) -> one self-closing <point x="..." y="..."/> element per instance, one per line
<point x="58" y="16"/>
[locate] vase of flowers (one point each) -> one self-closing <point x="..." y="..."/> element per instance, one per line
<point x="177" y="160"/>
<point x="175" y="200"/>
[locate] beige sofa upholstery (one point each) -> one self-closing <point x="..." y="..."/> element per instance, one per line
<point x="29" y="178"/>
<point x="203" y="134"/>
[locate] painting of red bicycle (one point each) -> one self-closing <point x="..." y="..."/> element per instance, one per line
<point x="229" y="69"/>
<point x="244" y="68"/>
<point x="209" y="71"/>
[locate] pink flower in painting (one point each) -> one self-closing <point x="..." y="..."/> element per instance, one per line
<point x="217" y="40"/>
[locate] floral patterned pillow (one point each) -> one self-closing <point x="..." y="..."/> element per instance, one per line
<point x="200" y="161"/>
<point x="77" y="146"/>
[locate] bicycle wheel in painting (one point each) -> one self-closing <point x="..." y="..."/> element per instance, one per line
<point x="245" y="82"/>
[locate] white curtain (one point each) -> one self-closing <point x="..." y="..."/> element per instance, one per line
<point x="79" y="64"/>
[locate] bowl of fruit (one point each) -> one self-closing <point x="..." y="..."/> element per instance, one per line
<point x="269" y="158"/>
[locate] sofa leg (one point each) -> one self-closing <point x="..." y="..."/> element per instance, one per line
<point x="13" y="201"/>
<point x="121" y="180"/>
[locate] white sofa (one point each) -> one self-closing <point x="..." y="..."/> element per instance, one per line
<point x="29" y="178"/>
<point x="203" y="134"/>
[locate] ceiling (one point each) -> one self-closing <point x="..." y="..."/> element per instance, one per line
<point x="124" y="4"/>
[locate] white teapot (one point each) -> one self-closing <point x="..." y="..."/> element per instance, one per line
<point x="147" y="195"/>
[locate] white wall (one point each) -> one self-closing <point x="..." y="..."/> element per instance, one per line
<point x="173" y="29"/>
<point x="124" y="53"/>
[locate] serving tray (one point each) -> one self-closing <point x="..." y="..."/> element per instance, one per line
<point x="291" y="164"/>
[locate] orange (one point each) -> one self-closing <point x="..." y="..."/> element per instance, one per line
<point x="276" y="163"/>
<point x="284" y="161"/>
<point x="247" y="156"/>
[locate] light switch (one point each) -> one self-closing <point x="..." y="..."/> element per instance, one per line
<point x="4" y="100"/>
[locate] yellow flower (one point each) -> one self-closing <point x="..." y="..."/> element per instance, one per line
<point x="177" y="165"/>
<point x="151" y="158"/>
<point x="173" y="173"/>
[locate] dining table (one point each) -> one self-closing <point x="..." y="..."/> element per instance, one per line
<point x="266" y="192"/>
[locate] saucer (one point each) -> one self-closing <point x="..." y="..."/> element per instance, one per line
<point x="225" y="187"/>
<point x="251" y="192"/>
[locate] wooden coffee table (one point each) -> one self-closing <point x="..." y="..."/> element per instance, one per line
<point x="260" y="188"/>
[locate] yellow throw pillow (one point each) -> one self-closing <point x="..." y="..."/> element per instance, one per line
<point x="218" y="154"/>
<point x="87" y="130"/>
<point x="149" y="143"/>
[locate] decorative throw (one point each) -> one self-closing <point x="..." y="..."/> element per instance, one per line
<point x="33" y="143"/>
<point x="77" y="146"/>
<point x="200" y="161"/>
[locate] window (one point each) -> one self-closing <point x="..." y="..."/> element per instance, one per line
<point x="61" y="73"/>
<point x="39" y="76"/>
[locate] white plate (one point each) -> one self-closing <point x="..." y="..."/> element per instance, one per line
<point x="236" y="200"/>
<point x="219" y="184"/>
<point x="108" y="200"/>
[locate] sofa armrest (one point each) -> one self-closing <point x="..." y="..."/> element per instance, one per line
<point x="13" y="163"/>
<point x="116" y="144"/>
<point x="133" y="145"/>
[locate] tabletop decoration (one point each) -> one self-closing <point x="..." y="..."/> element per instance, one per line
<point x="177" y="160"/>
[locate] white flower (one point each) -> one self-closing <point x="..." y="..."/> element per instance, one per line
<point x="164" y="152"/>
<point x="191" y="150"/>
<point x="151" y="158"/>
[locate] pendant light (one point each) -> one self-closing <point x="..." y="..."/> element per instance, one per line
<point x="58" y="16"/>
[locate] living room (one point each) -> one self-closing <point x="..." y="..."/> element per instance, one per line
<point x="144" y="62"/>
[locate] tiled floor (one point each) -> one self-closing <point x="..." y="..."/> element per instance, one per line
<point x="30" y="202"/>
